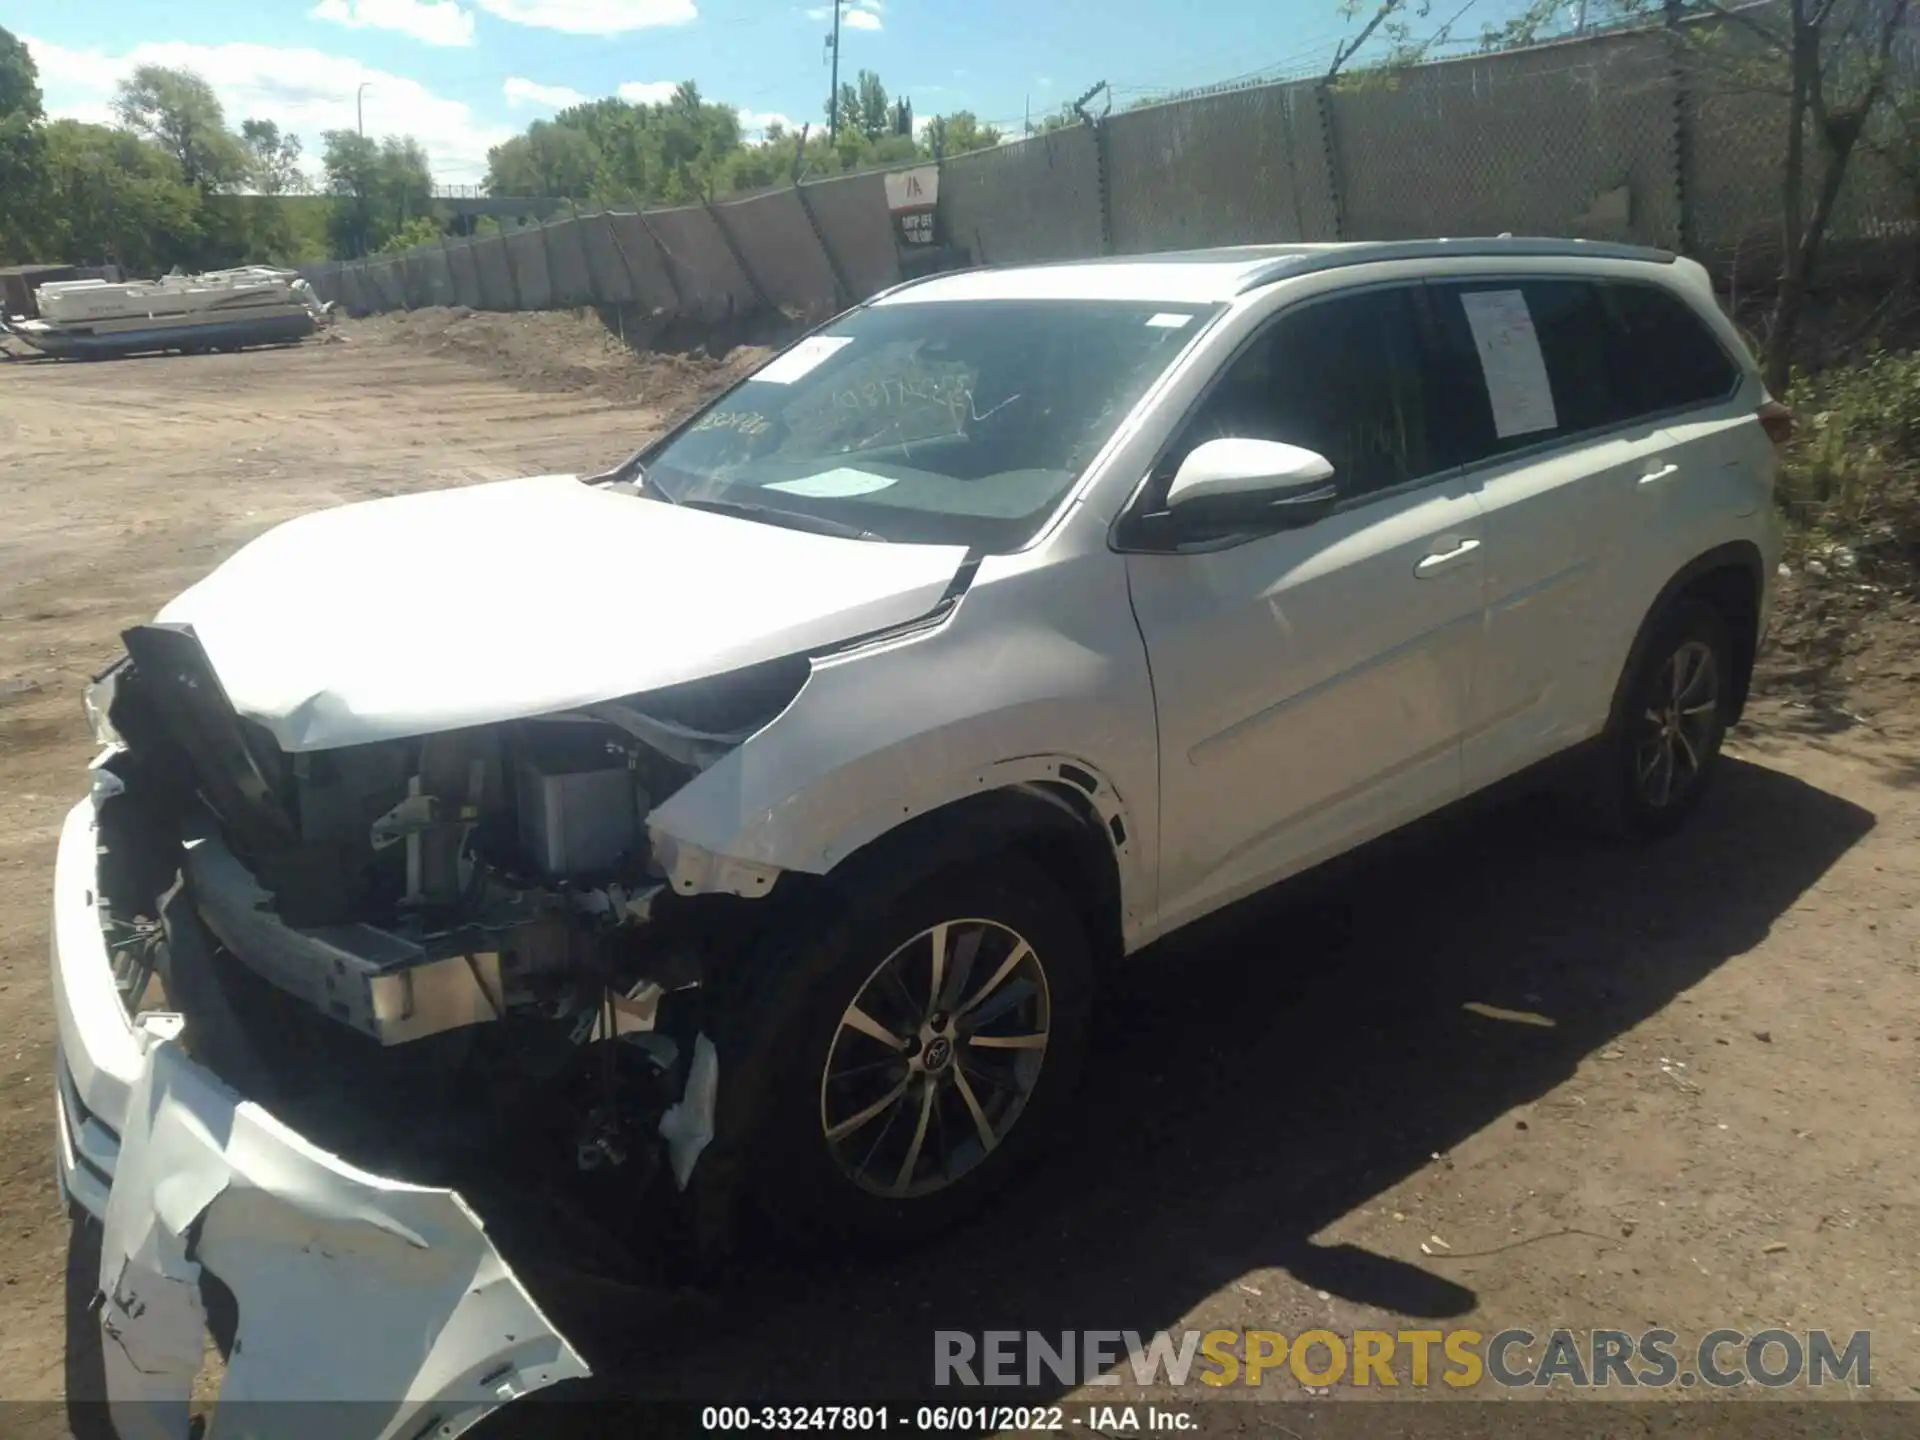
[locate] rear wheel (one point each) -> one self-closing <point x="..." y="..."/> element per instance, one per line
<point x="1659" y="757"/>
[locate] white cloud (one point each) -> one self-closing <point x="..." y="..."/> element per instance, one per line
<point x="303" y="91"/>
<point x="437" y="22"/>
<point x="865" y="16"/>
<point x="648" y="92"/>
<point x="754" y="124"/>
<point x="521" y="93"/>
<point x="592" y="17"/>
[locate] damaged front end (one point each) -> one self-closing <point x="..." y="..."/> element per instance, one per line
<point x="367" y="996"/>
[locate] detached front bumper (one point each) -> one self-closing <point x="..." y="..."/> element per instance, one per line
<point x="380" y="1304"/>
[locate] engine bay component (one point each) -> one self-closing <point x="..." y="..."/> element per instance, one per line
<point x="580" y="813"/>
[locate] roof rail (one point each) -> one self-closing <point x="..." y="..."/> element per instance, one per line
<point x="1374" y="252"/>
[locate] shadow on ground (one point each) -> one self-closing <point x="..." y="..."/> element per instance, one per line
<point x="1260" y="1076"/>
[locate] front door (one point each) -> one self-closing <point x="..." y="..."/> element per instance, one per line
<point x="1312" y="685"/>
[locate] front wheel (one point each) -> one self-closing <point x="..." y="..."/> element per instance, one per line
<point x="936" y="1054"/>
<point x="1660" y="755"/>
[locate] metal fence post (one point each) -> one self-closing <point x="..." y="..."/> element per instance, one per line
<point x="1682" y="127"/>
<point x="513" y="271"/>
<point x="1102" y="181"/>
<point x="1329" y="147"/>
<point x="843" y="295"/>
<point x="669" y="266"/>
<point x="739" y="257"/>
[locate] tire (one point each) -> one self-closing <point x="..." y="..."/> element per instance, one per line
<point x="1657" y="760"/>
<point x="833" y="1155"/>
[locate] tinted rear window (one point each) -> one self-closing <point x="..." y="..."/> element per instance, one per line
<point x="1667" y="354"/>
<point x="1613" y="352"/>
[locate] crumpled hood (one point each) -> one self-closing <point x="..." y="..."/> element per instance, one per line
<point x="421" y="613"/>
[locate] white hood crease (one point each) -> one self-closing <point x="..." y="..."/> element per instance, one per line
<point x="420" y="613"/>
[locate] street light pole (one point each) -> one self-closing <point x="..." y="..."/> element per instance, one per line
<point x="360" y="108"/>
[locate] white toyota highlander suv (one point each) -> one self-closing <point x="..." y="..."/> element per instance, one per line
<point x="754" y="819"/>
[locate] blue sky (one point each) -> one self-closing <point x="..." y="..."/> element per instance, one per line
<point x="464" y="74"/>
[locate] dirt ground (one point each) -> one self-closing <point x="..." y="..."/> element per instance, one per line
<point x="1487" y="1075"/>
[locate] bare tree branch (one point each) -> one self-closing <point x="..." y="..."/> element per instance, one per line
<point x="1346" y="51"/>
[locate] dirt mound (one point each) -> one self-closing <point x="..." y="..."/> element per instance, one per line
<point x="562" y="351"/>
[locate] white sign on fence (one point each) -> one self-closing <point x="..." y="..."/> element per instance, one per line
<point x="916" y="189"/>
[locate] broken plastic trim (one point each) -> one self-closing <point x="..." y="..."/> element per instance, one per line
<point x="349" y="1287"/>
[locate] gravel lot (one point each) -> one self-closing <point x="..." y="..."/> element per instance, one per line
<point x="1703" y="1116"/>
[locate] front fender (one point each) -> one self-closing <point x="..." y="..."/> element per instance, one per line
<point x="990" y="699"/>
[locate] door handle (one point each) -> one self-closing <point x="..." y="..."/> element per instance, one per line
<point x="1434" y="564"/>
<point x="1654" y="477"/>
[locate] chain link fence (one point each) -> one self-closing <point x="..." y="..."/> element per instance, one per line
<point x="1637" y="135"/>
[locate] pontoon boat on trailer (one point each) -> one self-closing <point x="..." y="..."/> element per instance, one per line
<point x="220" y="310"/>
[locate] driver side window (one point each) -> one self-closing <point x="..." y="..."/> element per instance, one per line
<point x="1342" y="376"/>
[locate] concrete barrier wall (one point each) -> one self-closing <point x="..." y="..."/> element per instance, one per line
<point x="1240" y="168"/>
<point x="1536" y="142"/>
<point x="389" y="283"/>
<point x="858" y="228"/>
<point x="778" y="246"/>
<point x="429" y="278"/>
<point x="1586" y="137"/>
<point x="495" y="274"/>
<point x="612" y="280"/>
<point x="572" y="271"/>
<point x="705" y="273"/>
<point x="352" y="281"/>
<point x="1035" y="200"/>
<point x="527" y="257"/>
<point x="466" y="275"/>
<point x="652" y="282"/>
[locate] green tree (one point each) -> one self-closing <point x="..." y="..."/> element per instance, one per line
<point x="420" y="230"/>
<point x="113" y="197"/>
<point x="274" y="166"/>
<point x="960" y="132"/>
<point x="550" y="159"/>
<point x="377" y="185"/>
<point x="178" y="111"/>
<point x="22" y="153"/>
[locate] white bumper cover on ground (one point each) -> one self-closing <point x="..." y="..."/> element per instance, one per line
<point x="381" y="1305"/>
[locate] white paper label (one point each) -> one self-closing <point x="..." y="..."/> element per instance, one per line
<point x="801" y="359"/>
<point x="1168" y="320"/>
<point x="1510" y="359"/>
<point x="833" y="484"/>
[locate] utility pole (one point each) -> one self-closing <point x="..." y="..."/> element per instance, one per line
<point x="359" y="168"/>
<point x="833" y="85"/>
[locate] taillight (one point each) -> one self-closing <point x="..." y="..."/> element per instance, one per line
<point x="1777" y="420"/>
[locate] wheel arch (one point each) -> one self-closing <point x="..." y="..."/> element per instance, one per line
<point x="1063" y="818"/>
<point x="1731" y="578"/>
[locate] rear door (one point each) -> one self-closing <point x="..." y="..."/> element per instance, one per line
<point x="1562" y="462"/>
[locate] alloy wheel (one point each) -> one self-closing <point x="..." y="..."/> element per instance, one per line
<point x="933" y="1063"/>
<point x="1678" y="725"/>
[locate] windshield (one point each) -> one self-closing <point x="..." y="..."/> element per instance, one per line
<point x="940" y="422"/>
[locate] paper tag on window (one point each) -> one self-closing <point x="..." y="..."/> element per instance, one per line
<point x="1510" y="359"/>
<point x="833" y="484"/>
<point x="801" y="359"/>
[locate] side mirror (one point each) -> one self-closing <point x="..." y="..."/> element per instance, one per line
<point x="1260" y="484"/>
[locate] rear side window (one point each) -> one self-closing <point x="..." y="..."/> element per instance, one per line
<point x="1667" y="354"/>
<point x="1536" y="360"/>
<point x="1533" y="360"/>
